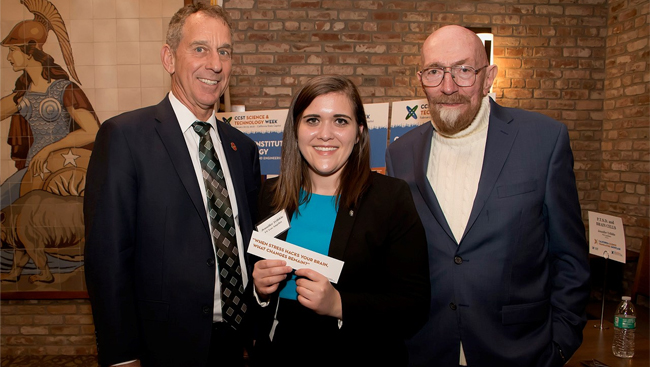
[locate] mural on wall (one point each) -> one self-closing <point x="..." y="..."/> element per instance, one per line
<point x="52" y="128"/>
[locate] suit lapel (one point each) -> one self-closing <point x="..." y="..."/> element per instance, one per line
<point x="234" y="161"/>
<point x="501" y="136"/>
<point x="345" y="218"/>
<point x="172" y="137"/>
<point x="421" y="151"/>
<point x="237" y="176"/>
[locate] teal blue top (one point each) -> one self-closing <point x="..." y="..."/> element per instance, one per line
<point x="312" y="229"/>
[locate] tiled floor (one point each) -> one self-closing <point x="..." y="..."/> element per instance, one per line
<point x="594" y="310"/>
<point x="49" y="361"/>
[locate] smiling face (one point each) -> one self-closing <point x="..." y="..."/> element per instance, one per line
<point x="201" y="64"/>
<point x="327" y="133"/>
<point x="453" y="108"/>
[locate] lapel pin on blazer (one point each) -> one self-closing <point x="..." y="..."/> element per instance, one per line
<point x="233" y="146"/>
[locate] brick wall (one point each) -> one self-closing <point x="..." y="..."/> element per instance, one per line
<point x="551" y="57"/>
<point x="625" y="168"/>
<point x="585" y="64"/>
<point x="47" y="327"/>
<point x="554" y="57"/>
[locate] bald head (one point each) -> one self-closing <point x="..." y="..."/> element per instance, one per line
<point x="456" y="45"/>
<point x="448" y="50"/>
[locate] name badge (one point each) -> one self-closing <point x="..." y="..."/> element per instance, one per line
<point x="275" y="224"/>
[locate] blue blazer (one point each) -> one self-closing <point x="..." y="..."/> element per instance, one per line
<point x="515" y="288"/>
<point x="149" y="261"/>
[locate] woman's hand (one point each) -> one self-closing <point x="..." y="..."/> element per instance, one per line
<point x="37" y="164"/>
<point x="317" y="293"/>
<point x="85" y="134"/>
<point x="267" y="275"/>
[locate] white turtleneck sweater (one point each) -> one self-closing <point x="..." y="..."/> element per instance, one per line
<point x="454" y="170"/>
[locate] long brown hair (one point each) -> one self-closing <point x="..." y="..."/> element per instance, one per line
<point x="294" y="170"/>
<point x="51" y="70"/>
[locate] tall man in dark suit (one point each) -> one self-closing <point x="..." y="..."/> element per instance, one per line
<point x="153" y="271"/>
<point x="496" y="192"/>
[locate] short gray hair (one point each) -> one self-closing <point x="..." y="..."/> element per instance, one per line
<point x="175" y="30"/>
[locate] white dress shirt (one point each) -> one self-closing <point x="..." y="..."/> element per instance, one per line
<point x="185" y="120"/>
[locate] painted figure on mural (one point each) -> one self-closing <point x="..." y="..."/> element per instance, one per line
<point x="52" y="128"/>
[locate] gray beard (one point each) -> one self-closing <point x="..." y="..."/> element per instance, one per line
<point x="450" y="121"/>
<point x="448" y="117"/>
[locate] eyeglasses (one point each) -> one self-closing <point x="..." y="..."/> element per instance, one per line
<point x="462" y="75"/>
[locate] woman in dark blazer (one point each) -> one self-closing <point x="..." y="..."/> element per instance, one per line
<point x="337" y="206"/>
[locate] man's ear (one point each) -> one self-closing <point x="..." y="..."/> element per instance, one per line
<point x="168" y="59"/>
<point x="490" y="75"/>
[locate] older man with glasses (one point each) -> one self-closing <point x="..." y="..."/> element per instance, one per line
<point x="496" y="192"/>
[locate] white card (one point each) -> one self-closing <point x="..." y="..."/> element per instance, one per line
<point x="275" y="225"/>
<point x="270" y="248"/>
<point x="606" y="236"/>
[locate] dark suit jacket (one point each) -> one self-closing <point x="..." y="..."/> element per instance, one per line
<point x="518" y="280"/>
<point x="384" y="284"/>
<point x="149" y="260"/>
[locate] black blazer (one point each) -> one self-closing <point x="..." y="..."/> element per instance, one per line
<point x="149" y="259"/>
<point x="384" y="284"/>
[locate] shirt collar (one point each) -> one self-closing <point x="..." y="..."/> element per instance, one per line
<point x="184" y="116"/>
